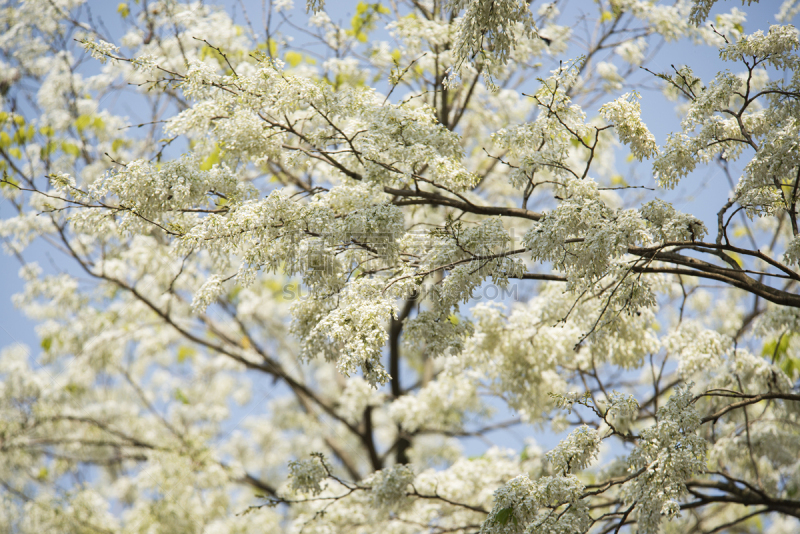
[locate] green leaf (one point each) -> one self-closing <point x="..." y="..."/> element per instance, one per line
<point x="123" y="10"/>
<point x="117" y="144"/>
<point x="73" y="388"/>
<point x="778" y="349"/>
<point x="503" y="516"/>
<point x="789" y="366"/>
<point x="180" y="396"/>
<point x="46" y="343"/>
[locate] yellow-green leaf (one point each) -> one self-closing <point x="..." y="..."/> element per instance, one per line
<point x="123" y="10"/>
<point x="272" y="48"/>
<point x="71" y="149"/>
<point x="82" y="122"/>
<point x="211" y="160"/>
<point x="775" y="349"/>
<point x="293" y="58"/>
<point x="185" y="352"/>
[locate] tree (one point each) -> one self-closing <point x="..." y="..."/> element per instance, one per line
<point x="270" y="313"/>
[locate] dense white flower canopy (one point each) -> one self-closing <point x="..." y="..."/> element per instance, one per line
<point x="302" y="256"/>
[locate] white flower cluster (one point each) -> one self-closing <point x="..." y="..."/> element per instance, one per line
<point x="489" y="31"/>
<point x="777" y="156"/>
<point x="632" y="51"/>
<point x="583" y="236"/>
<point x="358" y="327"/>
<point x="308" y="475"/>
<point x="518" y="503"/>
<point x="669" y="453"/>
<point x="700" y="10"/>
<point x="792" y="254"/>
<point x="789" y="9"/>
<point x="389" y="487"/>
<point x="625" y="114"/>
<point x="622" y="409"/>
<point x="207" y="294"/>
<point x="777" y="47"/>
<point x="100" y="50"/>
<point x="547" y="144"/>
<point x="148" y="191"/>
<point x="576" y="451"/>
<point x="668" y="224"/>
<point x="436" y="333"/>
<point x="568" y="400"/>
<point x="612" y="80"/>
<point x="439" y="405"/>
<point x="698" y="348"/>
<point x="525" y="356"/>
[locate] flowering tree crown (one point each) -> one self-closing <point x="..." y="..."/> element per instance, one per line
<point x="270" y="313"/>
